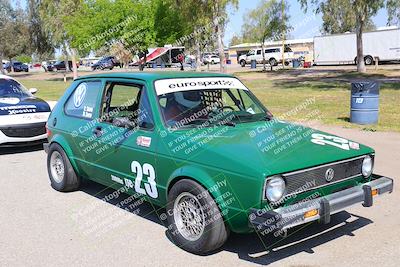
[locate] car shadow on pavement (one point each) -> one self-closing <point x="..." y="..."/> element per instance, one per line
<point x="129" y="203"/>
<point x="22" y="149"/>
<point x="265" y="250"/>
<point x="253" y="248"/>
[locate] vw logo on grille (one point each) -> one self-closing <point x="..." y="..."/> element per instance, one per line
<point x="329" y="174"/>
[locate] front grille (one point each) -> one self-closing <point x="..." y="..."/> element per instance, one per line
<point x="304" y="180"/>
<point x="24" y="131"/>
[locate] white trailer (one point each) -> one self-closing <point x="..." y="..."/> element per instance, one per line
<point x="340" y="49"/>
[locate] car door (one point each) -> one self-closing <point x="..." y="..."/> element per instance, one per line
<point x="259" y="56"/>
<point x="127" y="140"/>
<point x="80" y="115"/>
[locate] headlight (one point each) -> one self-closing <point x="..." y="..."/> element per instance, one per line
<point x="274" y="188"/>
<point x="367" y="166"/>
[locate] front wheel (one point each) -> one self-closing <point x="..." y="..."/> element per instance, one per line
<point x="196" y="224"/>
<point x="61" y="173"/>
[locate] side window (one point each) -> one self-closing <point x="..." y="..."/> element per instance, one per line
<point x="258" y="52"/>
<point x="82" y="103"/>
<point x="126" y="105"/>
<point x="288" y="49"/>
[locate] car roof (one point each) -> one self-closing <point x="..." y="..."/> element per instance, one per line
<point x="6" y="77"/>
<point x="153" y="76"/>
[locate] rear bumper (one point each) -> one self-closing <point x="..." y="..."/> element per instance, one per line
<point x="319" y="208"/>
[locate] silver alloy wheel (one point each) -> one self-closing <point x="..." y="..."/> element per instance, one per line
<point x="57" y="166"/>
<point x="189" y="216"/>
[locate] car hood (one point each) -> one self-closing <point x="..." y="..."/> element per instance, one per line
<point x="14" y="106"/>
<point x="267" y="148"/>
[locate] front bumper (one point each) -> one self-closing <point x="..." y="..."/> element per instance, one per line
<point x="319" y="208"/>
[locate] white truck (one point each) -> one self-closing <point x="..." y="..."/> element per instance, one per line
<point x="341" y="49"/>
<point x="273" y="56"/>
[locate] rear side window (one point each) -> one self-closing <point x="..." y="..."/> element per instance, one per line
<point x="82" y="102"/>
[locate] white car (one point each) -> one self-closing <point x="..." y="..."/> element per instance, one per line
<point x="273" y="56"/>
<point x="23" y="116"/>
<point x="211" y="59"/>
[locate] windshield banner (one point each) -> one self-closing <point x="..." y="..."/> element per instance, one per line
<point x="187" y="84"/>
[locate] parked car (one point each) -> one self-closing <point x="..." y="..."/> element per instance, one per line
<point x="201" y="145"/>
<point x="106" y="63"/>
<point x="273" y="56"/>
<point x="60" y="65"/>
<point x="22" y="115"/>
<point x="18" y="66"/>
<point x="211" y="59"/>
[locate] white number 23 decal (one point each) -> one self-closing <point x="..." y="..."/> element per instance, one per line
<point x="150" y="188"/>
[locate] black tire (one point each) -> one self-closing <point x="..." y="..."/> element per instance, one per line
<point x="273" y="62"/>
<point x="111" y="68"/>
<point x="214" y="233"/>
<point x="69" y="181"/>
<point x="243" y="63"/>
<point x="368" y="60"/>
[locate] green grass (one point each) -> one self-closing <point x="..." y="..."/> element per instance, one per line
<point x="280" y="96"/>
<point x="332" y="102"/>
<point x="48" y="90"/>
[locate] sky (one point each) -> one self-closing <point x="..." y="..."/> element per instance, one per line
<point x="305" y="25"/>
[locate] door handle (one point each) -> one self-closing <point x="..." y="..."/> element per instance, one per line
<point x="98" y="131"/>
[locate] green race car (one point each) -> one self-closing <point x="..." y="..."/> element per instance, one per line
<point x="202" y="148"/>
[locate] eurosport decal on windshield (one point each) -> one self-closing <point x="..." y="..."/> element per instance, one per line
<point x="186" y="84"/>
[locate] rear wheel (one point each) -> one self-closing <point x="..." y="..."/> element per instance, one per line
<point x="273" y="62"/>
<point x="61" y="173"/>
<point x="196" y="224"/>
<point x="368" y="60"/>
<point x="243" y="63"/>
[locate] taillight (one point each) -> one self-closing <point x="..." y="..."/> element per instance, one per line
<point x="48" y="132"/>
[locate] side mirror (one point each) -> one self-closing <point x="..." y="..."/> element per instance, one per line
<point x="33" y="90"/>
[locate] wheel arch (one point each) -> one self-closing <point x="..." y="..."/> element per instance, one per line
<point x="202" y="178"/>
<point x="61" y="141"/>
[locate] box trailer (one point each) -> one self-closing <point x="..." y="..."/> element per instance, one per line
<point x="340" y="49"/>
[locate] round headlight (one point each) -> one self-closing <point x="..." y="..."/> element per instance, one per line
<point x="367" y="166"/>
<point x="275" y="188"/>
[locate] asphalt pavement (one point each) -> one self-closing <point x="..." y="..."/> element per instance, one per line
<point x="42" y="227"/>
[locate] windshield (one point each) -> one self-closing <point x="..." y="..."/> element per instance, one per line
<point x="231" y="104"/>
<point x="11" y="88"/>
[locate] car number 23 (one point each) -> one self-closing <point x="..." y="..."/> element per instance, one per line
<point x="150" y="187"/>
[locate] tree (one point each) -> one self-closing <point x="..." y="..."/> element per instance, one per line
<point x="40" y="43"/>
<point x="98" y="27"/>
<point x="338" y="17"/>
<point x="363" y="11"/>
<point x="393" y="9"/>
<point x="14" y="35"/>
<point x="55" y="13"/>
<point x="268" y="21"/>
<point x="219" y="18"/>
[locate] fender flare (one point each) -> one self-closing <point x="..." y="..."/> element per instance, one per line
<point x="200" y="176"/>
<point x="60" y="140"/>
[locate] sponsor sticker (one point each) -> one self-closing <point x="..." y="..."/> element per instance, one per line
<point x="187" y="84"/>
<point x="9" y="100"/>
<point x="143" y="141"/>
<point x="87" y="112"/>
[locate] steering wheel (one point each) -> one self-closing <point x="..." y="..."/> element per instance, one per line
<point x="227" y="107"/>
